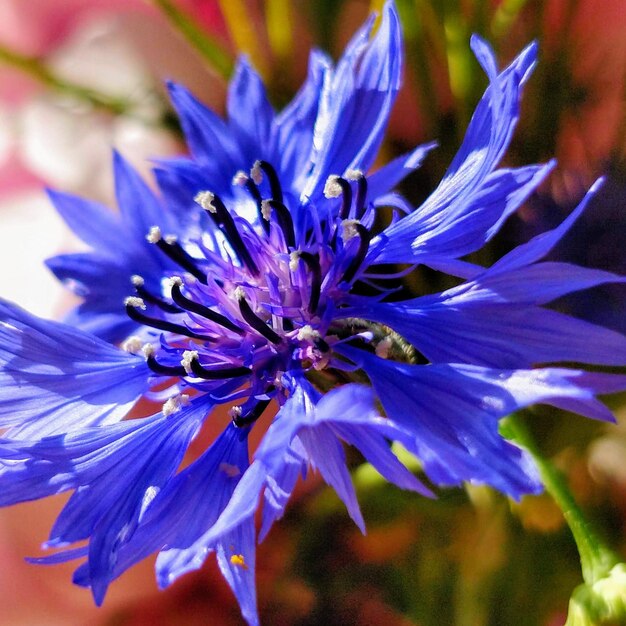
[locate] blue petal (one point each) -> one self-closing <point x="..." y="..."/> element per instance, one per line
<point x="488" y="135"/>
<point x="350" y="414"/>
<point x="453" y="413"/>
<point x="139" y="207"/>
<point x="206" y="133"/>
<point x="116" y="470"/>
<point x="55" y="378"/>
<point x="499" y="335"/>
<point x="94" y="223"/>
<point x="356" y="103"/>
<point x="493" y="320"/>
<point x="388" y="176"/>
<point x="540" y="245"/>
<point x="326" y="454"/>
<point x="236" y="556"/>
<point x="192" y="502"/>
<point x="465" y="227"/>
<point x="250" y="115"/>
<point x="292" y="139"/>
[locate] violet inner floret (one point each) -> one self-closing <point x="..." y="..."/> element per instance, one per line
<point x="280" y="295"/>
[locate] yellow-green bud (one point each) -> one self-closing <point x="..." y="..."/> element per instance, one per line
<point x="602" y="603"/>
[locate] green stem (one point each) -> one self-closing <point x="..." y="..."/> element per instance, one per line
<point x="209" y="49"/>
<point x="35" y="68"/>
<point x="596" y="559"/>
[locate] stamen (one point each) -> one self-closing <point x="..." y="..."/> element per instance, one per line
<point x="234" y="412"/>
<point x="240" y="178"/>
<point x="256" y="195"/>
<point x="266" y="210"/>
<point x="154" y="235"/>
<point x="175" y="404"/>
<point x="307" y="333"/>
<point x="253" y="320"/>
<point x="133" y="344"/>
<point x="353" y="174"/>
<point x="138" y="282"/>
<point x="361" y="196"/>
<point x="332" y="188"/>
<point x="256" y="173"/>
<point x="205" y="200"/>
<point x="224" y="220"/>
<point x="175" y="252"/>
<point x="163" y="370"/>
<point x="200" y="309"/>
<point x="294" y="259"/>
<point x="313" y="263"/>
<point x="217" y="373"/>
<point x="188" y="357"/>
<point x="383" y="348"/>
<point x="272" y="176"/>
<point x="133" y="304"/>
<point x="359" y="257"/>
<point x="286" y="222"/>
<point x="349" y="229"/>
<point x="253" y="415"/>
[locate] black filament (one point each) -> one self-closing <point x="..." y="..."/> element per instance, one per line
<point x="361" y="196"/>
<point x="176" y="252"/>
<point x="203" y="311"/>
<point x="272" y="176"/>
<point x="144" y="294"/>
<point x="218" y="373"/>
<point x="286" y="222"/>
<point x="359" y="257"/>
<point x="165" y="370"/>
<point x="257" y="323"/>
<point x="226" y="223"/>
<point x="159" y="324"/>
<point x="313" y="263"/>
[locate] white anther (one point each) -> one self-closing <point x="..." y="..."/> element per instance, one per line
<point x="230" y="470"/>
<point x="170" y="239"/>
<point x="294" y="259"/>
<point x="137" y="280"/>
<point x="353" y="174"/>
<point x="349" y="230"/>
<point x="278" y="379"/>
<point x="266" y="209"/>
<point x="234" y="412"/>
<point x="173" y="281"/>
<point x="133" y="344"/>
<point x="205" y="200"/>
<point x="307" y="333"/>
<point x="332" y="188"/>
<point x="148" y="349"/>
<point x="154" y="235"/>
<point x="135" y="302"/>
<point x="175" y="403"/>
<point x="321" y="363"/>
<point x="239" y="293"/>
<point x="189" y="356"/>
<point x="240" y="178"/>
<point x="384" y="348"/>
<point x="256" y="173"/>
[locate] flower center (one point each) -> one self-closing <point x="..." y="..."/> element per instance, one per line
<point x="258" y="301"/>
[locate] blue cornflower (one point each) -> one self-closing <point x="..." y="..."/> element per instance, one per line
<point x="252" y="279"/>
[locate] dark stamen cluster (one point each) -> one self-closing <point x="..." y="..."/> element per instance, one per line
<point x="277" y="277"/>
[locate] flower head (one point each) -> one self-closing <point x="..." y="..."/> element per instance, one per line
<point x="252" y="280"/>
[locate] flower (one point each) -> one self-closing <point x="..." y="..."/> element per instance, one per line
<point x="252" y="279"/>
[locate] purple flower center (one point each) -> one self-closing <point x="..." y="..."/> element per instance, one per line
<point x="260" y="298"/>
